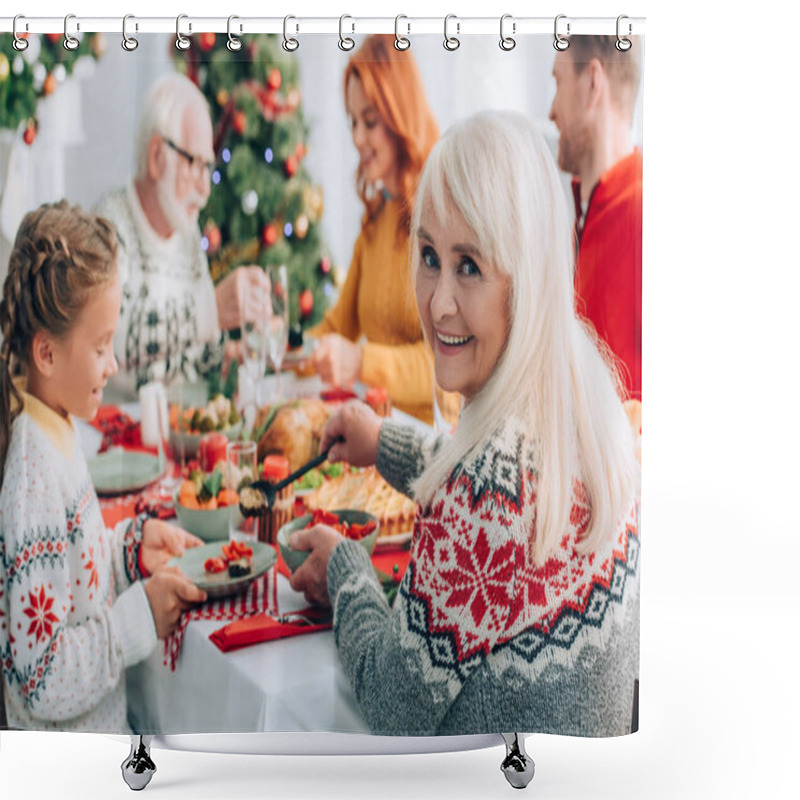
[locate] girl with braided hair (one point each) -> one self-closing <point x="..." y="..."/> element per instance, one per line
<point x="74" y="612"/>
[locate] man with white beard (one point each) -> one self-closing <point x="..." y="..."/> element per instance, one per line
<point x="172" y="314"/>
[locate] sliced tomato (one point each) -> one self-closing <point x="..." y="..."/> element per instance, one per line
<point x="215" y="565"/>
<point x="360" y="531"/>
<point x="321" y="517"/>
<point x="241" y="549"/>
<point x="228" y="551"/>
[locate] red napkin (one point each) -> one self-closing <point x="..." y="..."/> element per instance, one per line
<point x="253" y="601"/>
<point x="262" y="628"/>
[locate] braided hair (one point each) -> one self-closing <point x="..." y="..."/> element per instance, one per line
<point x="60" y="254"/>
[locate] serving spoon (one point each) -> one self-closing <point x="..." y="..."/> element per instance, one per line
<point x="253" y="499"/>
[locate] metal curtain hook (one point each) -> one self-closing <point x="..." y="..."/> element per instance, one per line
<point x="345" y="42"/>
<point x="181" y="42"/>
<point x="401" y="42"/>
<point x="289" y="44"/>
<point x="20" y="43"/>
<point x="70" y="42"/>
<point x="128" y="42"/>
<point x="622" y="44"/>
<point x="559" y="42"/>
<point x="451" y="42"/>
<point x="233" y="44"/>
<point x="507" y="42"/>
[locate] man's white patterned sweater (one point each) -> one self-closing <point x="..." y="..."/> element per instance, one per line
<point x="480" y="640"/>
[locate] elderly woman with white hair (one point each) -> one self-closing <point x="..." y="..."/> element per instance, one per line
<point x="519" y="608"/>
<point x="172" y="313"/>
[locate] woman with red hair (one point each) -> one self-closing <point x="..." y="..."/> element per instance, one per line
<point x="373" y="333"/>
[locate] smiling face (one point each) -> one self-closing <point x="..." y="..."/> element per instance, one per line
<point x="83" y="361"/>
<point x="375" y="143"/>
<point x="463" y="301"/>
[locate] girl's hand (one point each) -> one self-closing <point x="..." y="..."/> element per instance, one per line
<point x="170" y="593"/>
<point x="162" y="541"/>
<point x="311" y="577"/>
<point x="360" y="428"/>
<point x="337" y="360"/>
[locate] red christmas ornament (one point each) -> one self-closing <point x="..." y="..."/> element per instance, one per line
<point x="306" y="302"/>
<point x="239" y="121"/>
<point x="269" y="235"/>
<point x="274" y="79"/>
<point x="206" y="41"/>
<point x="291" y="165"/>
<point x="300" y="150"/>
<point x="49" y="85"/>
<point x="325" y="265"/>
<point x="30" y="133"/>
<point x="214" y="237"/>
<point x="53" y="37"/>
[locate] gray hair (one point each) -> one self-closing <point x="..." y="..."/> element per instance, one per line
<point x="163" y="112"/>
<point x="495" y="168"/>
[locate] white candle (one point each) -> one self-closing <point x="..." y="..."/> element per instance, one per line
<point x="152" y="400"/>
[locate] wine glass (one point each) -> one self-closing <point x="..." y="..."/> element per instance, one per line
<point x="278" y="323"/>
<point x="171" y="416"/>
<point x="254" y="334"/>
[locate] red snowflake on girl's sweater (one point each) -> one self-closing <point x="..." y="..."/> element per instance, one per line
<point x="94" y="578"/>
<point x="42" y="618"/>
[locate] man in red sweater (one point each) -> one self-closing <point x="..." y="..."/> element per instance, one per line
<point x="596" y="88"/>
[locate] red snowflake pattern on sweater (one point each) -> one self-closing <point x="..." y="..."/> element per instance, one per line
<point x="91" y="566"/>
<point x="41" y="615"/>
<point x="476" y="578"/>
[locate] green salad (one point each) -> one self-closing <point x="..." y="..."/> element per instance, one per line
<point x="314" y="478"/>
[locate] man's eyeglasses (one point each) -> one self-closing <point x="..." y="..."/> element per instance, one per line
<point x="197" y="165"/>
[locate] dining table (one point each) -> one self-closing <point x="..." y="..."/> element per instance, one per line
<point x="287" y="684"/>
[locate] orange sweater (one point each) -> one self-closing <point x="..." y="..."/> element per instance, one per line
<point x="377" y="301"/>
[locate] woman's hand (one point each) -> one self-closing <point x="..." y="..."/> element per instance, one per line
<point x="360" y="428"/>
<point x="162" y="541"/>
<point x="311" y="577"/>
<point x="170" y="593"/>
<point x="337" y="360"/>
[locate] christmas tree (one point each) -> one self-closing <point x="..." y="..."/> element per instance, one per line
<point x="31" y="74"/>
<point x="263" y="208"/>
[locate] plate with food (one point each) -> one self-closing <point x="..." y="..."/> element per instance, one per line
<point x="189" y="425"/>
<point x="207" y="502"/>
<point x="122" y="471"/>
<point x="356" y="525"/>
<point x="367" y="491"/>
<point x="225" y="568"/>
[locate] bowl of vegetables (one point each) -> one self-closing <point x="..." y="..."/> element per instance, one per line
<point x="189" y="425"/>
<point x="359" y="526"/>
<point x="207" y="503"/>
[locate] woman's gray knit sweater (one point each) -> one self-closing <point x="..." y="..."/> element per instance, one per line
<point x="479" y="639"/>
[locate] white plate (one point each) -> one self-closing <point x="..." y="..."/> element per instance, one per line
<point x="120" y="471"/>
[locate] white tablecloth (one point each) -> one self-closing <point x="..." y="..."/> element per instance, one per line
<point x="294" y="684"/>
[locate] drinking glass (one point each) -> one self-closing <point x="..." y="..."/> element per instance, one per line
<point x="278" y="325"/>
<point x="241" y="464"/>
<point x="170" y="416"/>
<point x="254" y="342"/>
